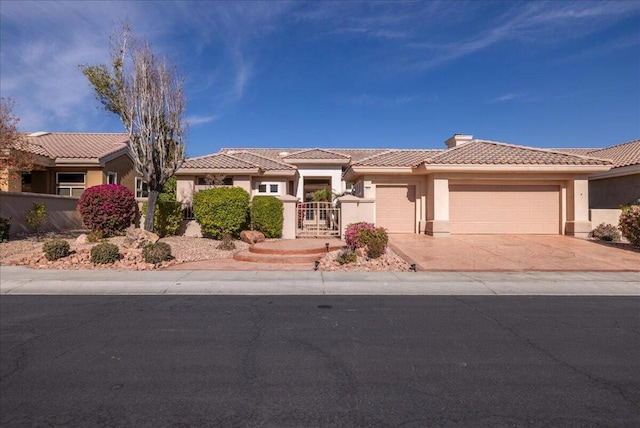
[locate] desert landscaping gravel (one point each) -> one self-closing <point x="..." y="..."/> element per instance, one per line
<point x="27" y="251"/>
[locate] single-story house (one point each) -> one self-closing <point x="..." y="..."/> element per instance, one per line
<point x="621" y="184"/>
<point x="67" y="163"/>
<point x="471" y="187"/>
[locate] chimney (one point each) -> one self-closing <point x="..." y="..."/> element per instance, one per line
<point x="458" y="140"/>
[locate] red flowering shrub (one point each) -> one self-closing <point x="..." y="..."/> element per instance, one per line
<point x="351" y="236"/>
<point x="630" y="223"/>
<point x="360" y="235"/>
<point x="107" y="208"/>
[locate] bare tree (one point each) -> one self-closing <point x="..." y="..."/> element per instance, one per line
<point x="15" y="156"/>
<point x="147" y="94"/>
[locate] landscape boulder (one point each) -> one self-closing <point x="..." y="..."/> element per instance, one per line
<point x="138" y="238"/>
<point x="252" y="236"/>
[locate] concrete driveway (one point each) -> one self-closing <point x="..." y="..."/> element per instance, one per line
<point x="512" y="253"/>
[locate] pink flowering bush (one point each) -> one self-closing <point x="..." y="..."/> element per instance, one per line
<point x="630" y="223"/>
<point x="361" y="235"/>
<point x="107" y="208"/>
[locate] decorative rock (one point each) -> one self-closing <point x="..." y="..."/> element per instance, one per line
<point x="252" y="236"/>
<point x="361" y="252"/>
<point x="138" y="238"/>
<point x="82" y="239"/>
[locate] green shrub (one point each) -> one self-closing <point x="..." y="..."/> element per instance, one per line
<point x="606" y="232"/>
<point x="37" y="216"/>
<point x="167" y="217"/>
<point x="56" y="249"/>
<point x="108" y="208"/>
<point x="346" y="256"/>
<point x="630" y="223"/>
<point x="221" y="211"/>
<point x="5" y="225"/>
<point x="104" y="253"/>
<point x="267" y="215"/>
<point x="156" y="253"/>
<point x="360" y="235"/>
<point x="95" y="236"/>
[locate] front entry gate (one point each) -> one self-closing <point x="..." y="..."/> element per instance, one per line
<point x="317" y="219"/>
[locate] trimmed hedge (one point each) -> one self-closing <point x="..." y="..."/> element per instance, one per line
<point x="221" y="211"/>
<point x="56" y="249"/>
<point x="167" y="217"/>
<point x="267" y="215"/>
<point x="104" y="253"/>
<point x="107" y="208"/>
<point x="156" y="253"/>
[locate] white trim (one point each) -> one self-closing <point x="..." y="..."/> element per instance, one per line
<point x="136" y="181"/>
<point x="112" y="174"/>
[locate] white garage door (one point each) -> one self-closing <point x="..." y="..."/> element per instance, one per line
<point x="396" y="208"/>
<point x="504" y="209"/>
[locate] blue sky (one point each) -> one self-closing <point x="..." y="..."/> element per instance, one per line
<point x="345" y="74"/>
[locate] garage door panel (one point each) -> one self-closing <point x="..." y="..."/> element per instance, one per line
<point x="396" y="208"/>
<point x="496" y="209"/>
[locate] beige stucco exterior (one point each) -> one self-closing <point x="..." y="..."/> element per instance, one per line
<point x="44" y="181"/>
<point x="61" y="210"/>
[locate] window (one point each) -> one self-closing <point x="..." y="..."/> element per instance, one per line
<point x="269" y="188"/>
<point x="142" y="189"/>
<point x="26" y="182"/>
<point x="70" y="183"/>
<point x="112" y="177"/>
<point x="212" y="181"/>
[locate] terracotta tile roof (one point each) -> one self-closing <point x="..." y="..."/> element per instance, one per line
<point x="480" y="152"/>
<point x="316" y="154"/>
<point x="261" y="161"/>
<point x="217" y="161"/>
<point x="79" y="145"/>
<point x="275" y="153"/>
<point x="398" y="158"/>
<point x="575" y="151"/>
<point x="26" y="146"/>
<point x="621" y="155"/>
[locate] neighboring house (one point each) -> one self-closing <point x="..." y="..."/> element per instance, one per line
<point x="474" y="186"/>
<point x="621" y="184"/>
<point x="68" y="163"/>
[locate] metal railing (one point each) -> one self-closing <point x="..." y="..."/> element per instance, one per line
<point x="315" y="219"/>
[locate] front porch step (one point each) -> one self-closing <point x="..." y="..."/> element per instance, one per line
<point x="249" y="256"/>
<point x="305" y="247"/>
<point x="288" y="251"/>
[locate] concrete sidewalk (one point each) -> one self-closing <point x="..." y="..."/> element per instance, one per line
<point x="15" y="280"/>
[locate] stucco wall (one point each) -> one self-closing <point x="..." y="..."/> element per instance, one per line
<point x="123" y="166"/>
<point x="61" y="210"/>
<point x="333" y="172"/>
<point x="613" y="192"/>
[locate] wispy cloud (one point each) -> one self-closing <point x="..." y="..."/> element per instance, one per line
<point x="376" y="100"/>
<point x="199" y="120"/>
<point x="513" y="96"/>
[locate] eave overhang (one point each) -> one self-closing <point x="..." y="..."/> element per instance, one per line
<point x="280" y="173"/>
<point x="427" y="168"/>
<point x="617" y="172"/>
<point x="338" y="162"/>
<point x="229" y="171"/>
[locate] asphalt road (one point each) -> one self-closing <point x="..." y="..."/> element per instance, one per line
<point x="319" y="361"/>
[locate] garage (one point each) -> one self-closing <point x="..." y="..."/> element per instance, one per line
<point x="504" y="209"/>
<point x="396" y="208"/>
